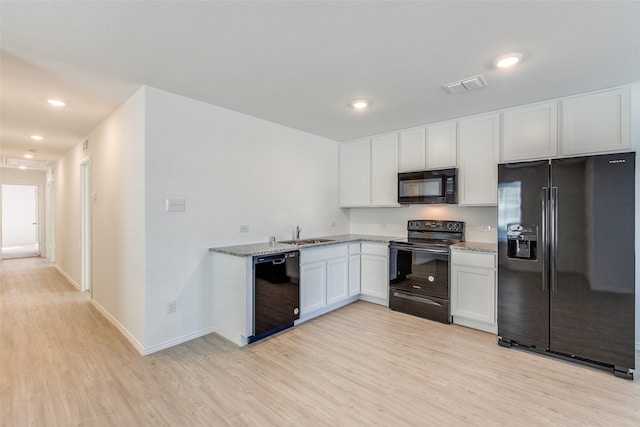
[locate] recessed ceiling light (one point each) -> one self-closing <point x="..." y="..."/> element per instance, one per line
<point x="22" y="167"/>
<point x="37" y="137"/>
<point x="508" y="60"/>
<point x="360" y="104"/>
<point x="56" y="103"/>
<point x="28" y="156"/>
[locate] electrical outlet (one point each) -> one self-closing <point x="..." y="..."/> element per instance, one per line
<point x="334" y="224"/>
<point x="384" y="225"/>
<point x="171" y="307"/>
<point x="244" y="228"/>
<point x="174" y="205"/>
<point x="485" y="228"/>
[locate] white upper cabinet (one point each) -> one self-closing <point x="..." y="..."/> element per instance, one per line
<point x="413" y="150"/>
<point x="595" y="123"/>
<point x="478" y="146"/>
<point x="355" y="173"/>
<point x="433" y="147"/>
<point x="530" y="132"/>
<point x="441" y="145"/>
<point x="592" y="123"/>
<point x="384" y="170"/>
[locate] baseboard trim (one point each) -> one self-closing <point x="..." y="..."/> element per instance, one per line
<point x="136" y="344"/>
<point x="176" y="341"/>
<point x="66" y="276"/>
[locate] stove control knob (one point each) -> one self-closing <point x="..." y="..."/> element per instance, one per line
<point x="453" y="226"/>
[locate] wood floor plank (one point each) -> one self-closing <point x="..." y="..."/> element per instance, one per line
<point x="63" y="364"/>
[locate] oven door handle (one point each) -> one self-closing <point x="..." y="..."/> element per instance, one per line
<point x="418" y="299"/>
<point x="416" y="249"/>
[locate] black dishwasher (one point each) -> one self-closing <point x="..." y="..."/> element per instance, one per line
<point x="276" y="293"/>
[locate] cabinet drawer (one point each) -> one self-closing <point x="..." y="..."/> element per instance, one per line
<point x="375" y="249"/>
<point x="473" y="259"/>
<point x="426" y="307"/>
<point x="323" y="253"/>
<point x="354" y="248"/>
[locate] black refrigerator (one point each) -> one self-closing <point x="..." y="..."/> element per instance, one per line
<point x="566" y="258"/>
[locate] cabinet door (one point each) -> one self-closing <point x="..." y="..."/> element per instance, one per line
<point x="441" y="145"/>
<point x="473" y="293"/>
<point x="384" y="170"/>
<point x="596" y="123"/>
<point x="374" y="276"/>
<point x="479" y="139"/>
<point x="337" y="279"/>
<point x="530" y="132"/>
<point x="355" y="173"/>
<point x="412" y="152"/>
<point x="354" y="274"/>
<point x="313" y="286"/>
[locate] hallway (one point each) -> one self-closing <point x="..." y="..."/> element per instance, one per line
<point x="63" y="364"/>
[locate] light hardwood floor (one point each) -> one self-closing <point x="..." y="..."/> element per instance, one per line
<point x="63" y="364"/>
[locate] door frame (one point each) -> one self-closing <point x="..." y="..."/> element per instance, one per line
<point x="85" y="224"/>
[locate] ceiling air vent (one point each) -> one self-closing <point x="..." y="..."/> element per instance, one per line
<point x="31" y="164"/>
<point x="465" y="85"/>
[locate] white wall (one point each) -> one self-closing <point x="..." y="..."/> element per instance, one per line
<point x="232" y="170"/>
<point x="67" y="218"/>
<point x="116" y="151"/>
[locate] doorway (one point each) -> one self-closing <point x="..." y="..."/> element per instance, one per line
<point x="20" y="221"/>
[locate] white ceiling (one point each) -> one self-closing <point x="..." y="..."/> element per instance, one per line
<point x="300" y="63"/>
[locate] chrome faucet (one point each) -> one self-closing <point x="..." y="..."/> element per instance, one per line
<point x="298" y="230"/>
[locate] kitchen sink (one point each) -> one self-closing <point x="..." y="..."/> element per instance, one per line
<point x="306" y="241"/>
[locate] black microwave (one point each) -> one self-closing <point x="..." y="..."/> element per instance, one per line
<point x="432" y="186"/>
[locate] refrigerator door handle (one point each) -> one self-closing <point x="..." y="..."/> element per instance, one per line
<point x="545" y="238"/>
<point x="553" y="238"/>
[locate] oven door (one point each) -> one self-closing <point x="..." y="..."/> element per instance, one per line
<point x="418" y="270"/>
<point x="419" y="282"/>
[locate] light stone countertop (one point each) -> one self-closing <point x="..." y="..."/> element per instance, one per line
<point x="476" y="246"/>
<point x="255" y="249"/>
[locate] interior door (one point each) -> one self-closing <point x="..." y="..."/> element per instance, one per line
<point x="20" y="221"/>
<point x="523" y="298"/>
<point x="592" y="305"/>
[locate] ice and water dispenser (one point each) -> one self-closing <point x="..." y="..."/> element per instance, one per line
<point x="522" y="242"/>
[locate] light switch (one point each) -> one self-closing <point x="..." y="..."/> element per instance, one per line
<point x="174" y="205"/>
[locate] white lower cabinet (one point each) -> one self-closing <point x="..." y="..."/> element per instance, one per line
<point x="354" y="269"/>
<point x="313" y="286"/>
<point x="473" y="289"/>
<point x="324" y="279"/>
<point x="374" y="273"/>
<point x="337" y="279"/>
